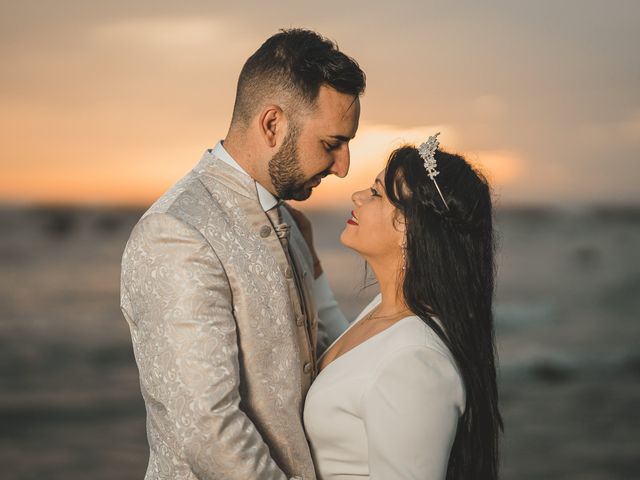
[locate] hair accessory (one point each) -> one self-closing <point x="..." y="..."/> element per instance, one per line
<point x="427" y="151"/>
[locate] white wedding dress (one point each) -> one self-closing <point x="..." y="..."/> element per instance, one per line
<point x="387" y="409"/>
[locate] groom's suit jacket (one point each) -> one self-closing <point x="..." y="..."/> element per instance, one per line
<point x="224" y="331"/>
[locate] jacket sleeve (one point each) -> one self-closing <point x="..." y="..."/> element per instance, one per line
<point x="331" y="320"/>
<point x="410" y="413"/>
<point x="184" y="335"/>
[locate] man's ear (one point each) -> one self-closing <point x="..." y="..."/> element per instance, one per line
<point x="272" y="124"/>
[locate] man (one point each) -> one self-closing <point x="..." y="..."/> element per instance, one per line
<point x="218" y="286"/>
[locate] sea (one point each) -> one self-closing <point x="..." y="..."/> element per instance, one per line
<point x="567" y="311"/>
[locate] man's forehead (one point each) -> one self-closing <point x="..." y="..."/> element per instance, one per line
<point x="339" y="120"/>
<point x="333" y="103"/>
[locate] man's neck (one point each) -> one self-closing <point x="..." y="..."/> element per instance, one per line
<point x="267" y="199"/>
<point x="243" y="151"/>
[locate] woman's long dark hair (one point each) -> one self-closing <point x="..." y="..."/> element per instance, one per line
<point x="450" y="273"/>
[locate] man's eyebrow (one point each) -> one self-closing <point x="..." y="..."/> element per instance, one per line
<point x="342" y="138"/>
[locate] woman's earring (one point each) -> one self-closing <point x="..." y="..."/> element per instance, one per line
<point x="404" y="254"/>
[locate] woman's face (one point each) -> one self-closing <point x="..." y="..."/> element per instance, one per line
<point x="372" y="231"/>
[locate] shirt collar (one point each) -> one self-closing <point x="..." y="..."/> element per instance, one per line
<point x="267" y="199"/>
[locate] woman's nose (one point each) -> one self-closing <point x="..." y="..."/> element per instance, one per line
<point x="356" y="197"/>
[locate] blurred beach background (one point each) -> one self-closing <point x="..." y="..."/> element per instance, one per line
<point x="104" y="106"/>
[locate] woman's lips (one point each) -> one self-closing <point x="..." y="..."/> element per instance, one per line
<point x="352" y="220"/>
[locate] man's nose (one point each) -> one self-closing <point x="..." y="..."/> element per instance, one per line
<point x="340" y="166"/>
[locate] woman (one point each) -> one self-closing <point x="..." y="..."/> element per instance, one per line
<point x="408" y="391"/>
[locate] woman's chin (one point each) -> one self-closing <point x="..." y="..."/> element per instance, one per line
<point x="346" y="240"/>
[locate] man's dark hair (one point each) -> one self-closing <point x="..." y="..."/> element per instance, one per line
<point x="290" y="67"/>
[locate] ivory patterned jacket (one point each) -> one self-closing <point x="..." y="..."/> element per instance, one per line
<point x="224" y="343"/>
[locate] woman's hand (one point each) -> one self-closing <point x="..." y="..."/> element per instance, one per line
<point x="307" y="232"/>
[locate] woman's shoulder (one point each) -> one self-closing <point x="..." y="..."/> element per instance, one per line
<point x="412" y="336"/>
<point x="413" y="332"/>
<point x="412" y="346"/>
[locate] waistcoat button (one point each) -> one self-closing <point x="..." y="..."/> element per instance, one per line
<point x="265" y="231"/>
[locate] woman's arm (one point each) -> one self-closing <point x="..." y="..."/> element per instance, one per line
<point x="411" y="412"/>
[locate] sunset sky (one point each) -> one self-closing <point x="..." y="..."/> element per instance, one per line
<point x="112" y="102"/>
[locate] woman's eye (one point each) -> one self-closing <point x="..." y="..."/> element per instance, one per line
<point x="374" y="192"/>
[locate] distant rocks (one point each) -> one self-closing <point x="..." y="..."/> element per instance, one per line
<point x="59" y="223"/>
<point x="62" y="222"/>
<point x="586" y="256"/>
<point x="549" y="372"/>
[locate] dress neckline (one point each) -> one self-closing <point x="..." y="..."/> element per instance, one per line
<point x="375" y="302"/>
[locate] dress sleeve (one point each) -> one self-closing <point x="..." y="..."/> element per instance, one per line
<point x="410" y="412"/>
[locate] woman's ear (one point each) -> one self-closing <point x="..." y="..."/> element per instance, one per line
<point x="400" y="224"/>
<point x="272" y="124"/>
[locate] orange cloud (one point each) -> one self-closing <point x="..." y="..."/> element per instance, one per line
<point x="499" y="166"/>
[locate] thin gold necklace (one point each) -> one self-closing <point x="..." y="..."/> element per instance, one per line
<point x="371" y="316"/>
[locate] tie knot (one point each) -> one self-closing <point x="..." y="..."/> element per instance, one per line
<point x="280" y="227"/>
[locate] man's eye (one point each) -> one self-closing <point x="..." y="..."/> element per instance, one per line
<point x="374" y="192"/>
<point x="331" y="146"/>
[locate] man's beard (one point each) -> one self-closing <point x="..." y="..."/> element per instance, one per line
<point x="285" y="172"/>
